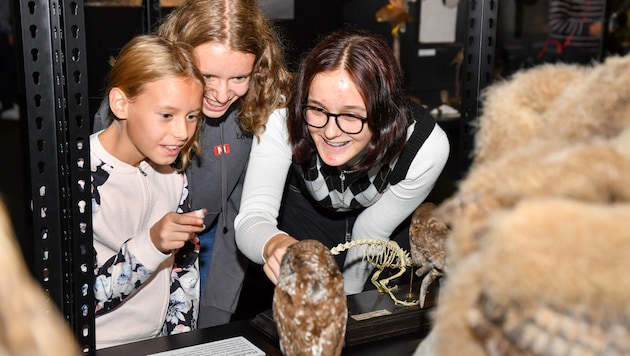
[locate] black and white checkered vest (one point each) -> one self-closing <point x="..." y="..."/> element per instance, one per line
<point x="339" y="190"/>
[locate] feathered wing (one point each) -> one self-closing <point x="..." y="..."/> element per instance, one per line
<point x="427" y="240"/>
<point x="309" y="303"/>
<point x="540" y="329"/>
<point x="555" y="281"/>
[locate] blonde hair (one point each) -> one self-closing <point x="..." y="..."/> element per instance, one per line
<point x="242" y="26"/>
<point x="147" y="58"/>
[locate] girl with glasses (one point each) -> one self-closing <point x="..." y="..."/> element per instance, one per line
<point x="356" y="156"/>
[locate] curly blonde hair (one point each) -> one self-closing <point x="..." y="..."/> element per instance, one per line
<point x="242" y="26"/>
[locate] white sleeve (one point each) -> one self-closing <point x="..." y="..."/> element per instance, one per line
<point x="269" y="163"/>
<point x="397" y="203"/>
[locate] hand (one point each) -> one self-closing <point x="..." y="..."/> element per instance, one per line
<point x="595" y="29"/>
<point x="173" y="230"/>
<point x="273" y="251"/>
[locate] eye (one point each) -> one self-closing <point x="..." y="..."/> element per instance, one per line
<point x="193" y="117"/>
<point x="351" y="117"/>
<point x="166" y="115"/>
<point x="240" y="79"/>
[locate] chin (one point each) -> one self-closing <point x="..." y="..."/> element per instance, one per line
<point x="334" y="162"/>
<point x="213" y="114"/>
<point x="166" y="161"/>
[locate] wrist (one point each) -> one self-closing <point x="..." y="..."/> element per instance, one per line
<point x="274" y="243"/>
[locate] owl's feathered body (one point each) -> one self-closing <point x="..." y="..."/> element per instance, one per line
<point x="309" y="302"/>
<point x="540" y="228"/>
<point x="427" y="240"/>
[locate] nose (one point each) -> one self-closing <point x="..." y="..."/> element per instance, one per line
<point x="219" y="90"/>
<point x="179" y="129"/>
<point x="331" y="130"/>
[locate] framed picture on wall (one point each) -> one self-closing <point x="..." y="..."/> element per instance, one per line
<point x="438" y="21"/>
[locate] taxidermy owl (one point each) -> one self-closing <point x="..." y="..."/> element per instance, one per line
<point x="309" y="303"/>
<point x="538" y="249"/>
<point x="427" y="241"/>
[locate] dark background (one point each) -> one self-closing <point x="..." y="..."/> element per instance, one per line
<point x="425" y="76"/>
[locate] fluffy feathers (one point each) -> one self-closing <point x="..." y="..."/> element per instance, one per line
<point x="540" y="229"/>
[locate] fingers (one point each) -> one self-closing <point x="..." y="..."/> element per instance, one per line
<point x="173" y="230"/>
<point x="201" y="213"/>
<point x="275" y="249"/>
<point x="271" y="272"/>
<point x="191" y="221"/>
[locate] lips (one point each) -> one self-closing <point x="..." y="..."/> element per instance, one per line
<point x="214" y="107"/>
<point x="336" y="144"/>
<point x="172" y="150"/>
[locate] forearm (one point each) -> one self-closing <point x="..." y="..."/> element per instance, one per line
<point x="269" y="162"/>
<point x="123" y="273"/>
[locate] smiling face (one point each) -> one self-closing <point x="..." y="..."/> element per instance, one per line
<point x="336" y="93"/>
<point x="227" y="74"/>
<point x="158" y="122"/>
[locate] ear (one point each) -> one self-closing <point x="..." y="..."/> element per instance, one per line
<point x="118" y="103"/>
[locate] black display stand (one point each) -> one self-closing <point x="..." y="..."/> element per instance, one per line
<point x="392" y="329"/>
<point x="372" y="316"/>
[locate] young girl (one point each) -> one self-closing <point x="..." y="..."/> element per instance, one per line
<point x="146" y="273"/>
<point x="242" y="62"/>
<point x="362" y="158"/>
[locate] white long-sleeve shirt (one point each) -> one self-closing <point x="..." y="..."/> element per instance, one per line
<point x="269" y="163"/>
<point x="133" y="279"/>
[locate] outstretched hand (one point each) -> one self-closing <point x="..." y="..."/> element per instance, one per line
<point x="173" y="230"/>
<point x="274" y="249"/>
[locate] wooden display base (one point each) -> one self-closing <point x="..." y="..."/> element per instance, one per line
<point x="372" y="316"/>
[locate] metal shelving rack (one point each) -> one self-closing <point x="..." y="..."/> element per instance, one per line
<point x="55" y="85"/>
<point x="478" y="70"/>
<point x="54" y="59"/>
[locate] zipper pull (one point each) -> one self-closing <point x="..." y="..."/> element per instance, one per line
<point x="342" y="177"/>
<point x="141" y="171"/>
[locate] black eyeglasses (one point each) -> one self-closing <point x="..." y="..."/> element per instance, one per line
<point x="318" y="117"/>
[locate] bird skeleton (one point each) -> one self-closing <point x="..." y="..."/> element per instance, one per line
<point x="382" y="254"/>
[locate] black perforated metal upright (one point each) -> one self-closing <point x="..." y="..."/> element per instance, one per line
<point x="478" y="69"/>
<point x="57" y="119"/>
<point x="151" y="15"/>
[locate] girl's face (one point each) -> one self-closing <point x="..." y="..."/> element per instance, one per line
<point x="337" y="94"/>
<point x="159" y="121"/>
<point x="227" y="75"/>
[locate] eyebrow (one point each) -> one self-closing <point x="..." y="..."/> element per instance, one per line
<point x="345" y="107"/>
<point x="249" y="74"/>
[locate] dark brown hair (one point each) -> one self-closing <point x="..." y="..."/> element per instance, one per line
<point x="370" y="63"/>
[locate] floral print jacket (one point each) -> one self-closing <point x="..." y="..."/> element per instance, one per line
<point x="139" y="291"/>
